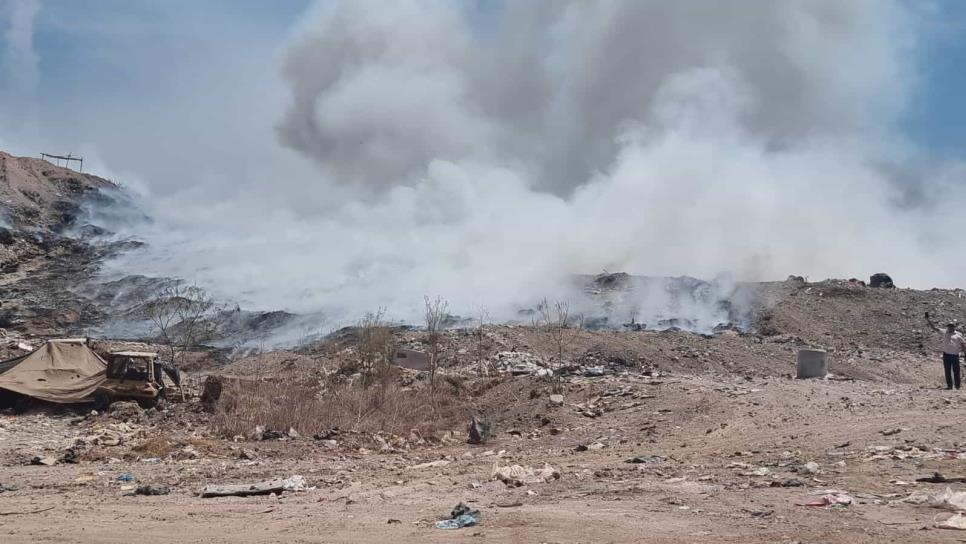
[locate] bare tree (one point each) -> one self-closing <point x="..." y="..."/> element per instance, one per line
<point x="557" y="321"/>
<point x="181" y="315"/>
<point x="435" y="317"/>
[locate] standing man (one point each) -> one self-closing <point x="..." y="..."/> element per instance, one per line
<point x="953" y="344"/>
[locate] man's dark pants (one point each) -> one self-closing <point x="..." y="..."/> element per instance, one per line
<point x="951" y="366"/>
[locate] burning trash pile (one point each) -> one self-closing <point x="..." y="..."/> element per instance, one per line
<point x="620" y="300"/>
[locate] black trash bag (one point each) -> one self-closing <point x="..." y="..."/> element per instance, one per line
<point x="479" y="432"/>
<point x="881" y="280"/>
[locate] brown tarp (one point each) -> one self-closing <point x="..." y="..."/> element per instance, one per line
<point x="63" y="372"/>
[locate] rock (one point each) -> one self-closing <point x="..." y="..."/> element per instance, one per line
<point x="292" y="433"/>
<point x="647" y="460"/>
<point x="247" y="454"/>
<point x="152" y="489"/>
<point x="810" y="467"/>
<point x="556" y="400"/>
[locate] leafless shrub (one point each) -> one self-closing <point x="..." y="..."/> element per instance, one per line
<point x="376" y="349"/>
<point x="557" y="322"/>
<point x="561" y="327"/>
<point x="435" y="316"/>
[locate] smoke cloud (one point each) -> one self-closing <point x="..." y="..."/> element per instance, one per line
<point x="487" y="153"/>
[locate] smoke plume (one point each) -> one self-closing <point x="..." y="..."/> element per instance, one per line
<point x="487" y="152"/>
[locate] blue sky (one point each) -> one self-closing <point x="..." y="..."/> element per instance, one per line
<point x="937" y="117"/>
<point x="154" y="60"/>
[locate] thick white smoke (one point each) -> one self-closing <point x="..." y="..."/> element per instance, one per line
<point x="486" y="153"/>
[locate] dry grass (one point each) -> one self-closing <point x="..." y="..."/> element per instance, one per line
<point x="158" y="446"/>
<point x="310" y="409"/>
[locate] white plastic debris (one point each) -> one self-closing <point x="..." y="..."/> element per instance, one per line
<point x="294" y="483"/>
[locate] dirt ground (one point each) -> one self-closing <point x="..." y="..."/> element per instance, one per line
<point x="734" y="443"/>
<point x="726" y="441"/>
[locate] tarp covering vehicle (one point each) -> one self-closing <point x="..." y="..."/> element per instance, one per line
<point x="61" y="371"/>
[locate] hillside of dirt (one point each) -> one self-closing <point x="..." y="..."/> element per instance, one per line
<point x="38" y="195"/>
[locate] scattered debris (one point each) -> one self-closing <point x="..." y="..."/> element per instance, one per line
<point x="46" y="461"/>
<point x="26" y="512"/>
<point x="947" y="500"/>
<point x="890" y="432"/>
<point x="327" y="435"/>
<point x="294" y="483"/>
<point x="518" y="476"/>
<point x="791" y="482"/>
<point x="461" y="516"/>
<point x="831" y="499"/>
<point x="272" y="435"/>
<point x="956" y="521"/>
<point x="938" y="478"/>
<point x="810" y="467"/>
<point x="152" y="489"/>
<point x="126" y="410"/>
<point x="71" y="455"/>
<point x="125" y="477"/>
<point x="431" y="464"/>
<point x="519" y="363"/>
<point x="646" y="460"/>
